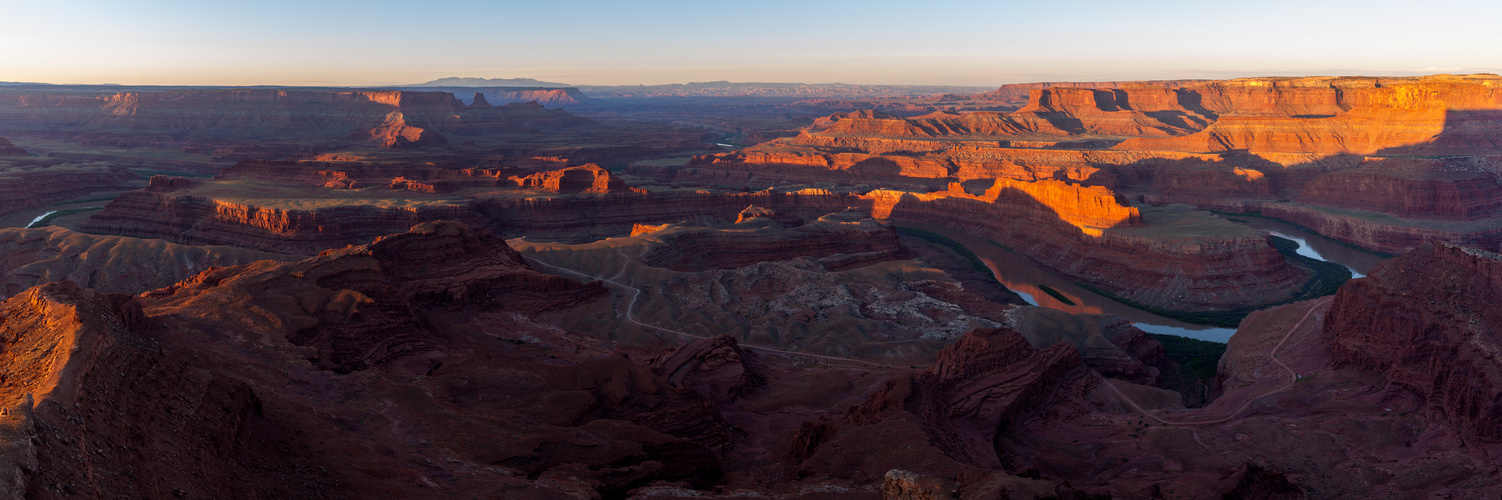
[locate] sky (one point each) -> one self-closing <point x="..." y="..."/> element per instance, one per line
<point x="936" y="42"/>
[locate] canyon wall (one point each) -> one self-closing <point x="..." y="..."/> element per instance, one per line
<point x="1428" y="322"/>
<point x="195" y="220"/>
<point x="1178" y="273"/>
<point x="30" y="184"/>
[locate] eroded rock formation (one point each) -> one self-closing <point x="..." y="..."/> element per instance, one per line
<point x="27" y="184"/>
<point x="357" y="305"/>
<point x="114" y="264"/>
<point x="1438" y="302"/>
<point x="95" y="408"/>
<point x="719" y="368"/>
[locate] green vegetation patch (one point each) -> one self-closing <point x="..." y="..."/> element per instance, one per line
<point x="1301" y="227"/>
<point x="1197" y="359"/>
<point x="1328" y="276"/>
<point x="146" y="174"/>
<point x="1055" y="294"/>
<point x="1224" y="319"/>
<point x="939" y="239"/>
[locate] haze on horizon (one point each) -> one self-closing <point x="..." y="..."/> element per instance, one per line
<point x="584" y="42"/>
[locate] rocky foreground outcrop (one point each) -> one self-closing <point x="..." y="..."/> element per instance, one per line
<point x="95" y="408"/>
<point x="357" y="307"/>
<point x="113" y="264"/>
<point x="431" y="363"/>
<point x="985" y="379"/>
<point x="1429" y="322"/>
<point x="717" y="367"/>
<point x="432" y="328"/>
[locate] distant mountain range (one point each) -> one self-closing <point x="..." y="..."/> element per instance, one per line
<point x="489" y="82"/>
<point x="717" y="89"/>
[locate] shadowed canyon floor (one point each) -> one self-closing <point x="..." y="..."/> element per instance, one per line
<point x="416" y="293"/>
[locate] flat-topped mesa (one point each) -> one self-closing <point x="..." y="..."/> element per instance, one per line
<point x="355" y="175"/>
<point x="587" y="218"/>
<point x="1019" y="94"/>
<point x="197" y="220"/>
<point x="396" y="133"/>
<point x="388" y="118"/>
<point x="167" y="183"/>
<point x="9" y="149"/>
<point x="1428" y="321"/>
<point x="587" y="178"/>
<point x="753" y="211"/>
<point x="759" y="168"/>
<point x="1439" y="114"/>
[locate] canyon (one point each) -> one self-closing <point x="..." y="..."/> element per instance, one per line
<point x="469" y="289"/>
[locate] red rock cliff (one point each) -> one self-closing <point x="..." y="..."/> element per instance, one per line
<point x="1428" y="322"/>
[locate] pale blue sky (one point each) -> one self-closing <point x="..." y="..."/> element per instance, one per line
<point x="336" y="42"/>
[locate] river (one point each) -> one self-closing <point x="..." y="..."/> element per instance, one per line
<point x="1024" y="277"/>
<point x="1315" y="246"/>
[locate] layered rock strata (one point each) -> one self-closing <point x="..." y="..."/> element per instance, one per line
<point x="30" y="184"/>
<point x="1147" y="266"/>
<point x="987" y="378"/>
<point x="1343" y="143"/>
<point x="114" y="264"/>
<point x="1438" y="302"/>
<point x="356" y="305"/>
<point x="197" y="220"/>
<point x="94" y="408"/>
<point x="718" y="367"/>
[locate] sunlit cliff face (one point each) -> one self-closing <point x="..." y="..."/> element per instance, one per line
<point x="1091" y="209"/>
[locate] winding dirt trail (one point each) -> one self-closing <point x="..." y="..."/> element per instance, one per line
<point x="1271" y="355"/>
<point x="636" y="294"/>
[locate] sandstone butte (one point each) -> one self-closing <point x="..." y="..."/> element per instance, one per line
<point x="9" y="149"/>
